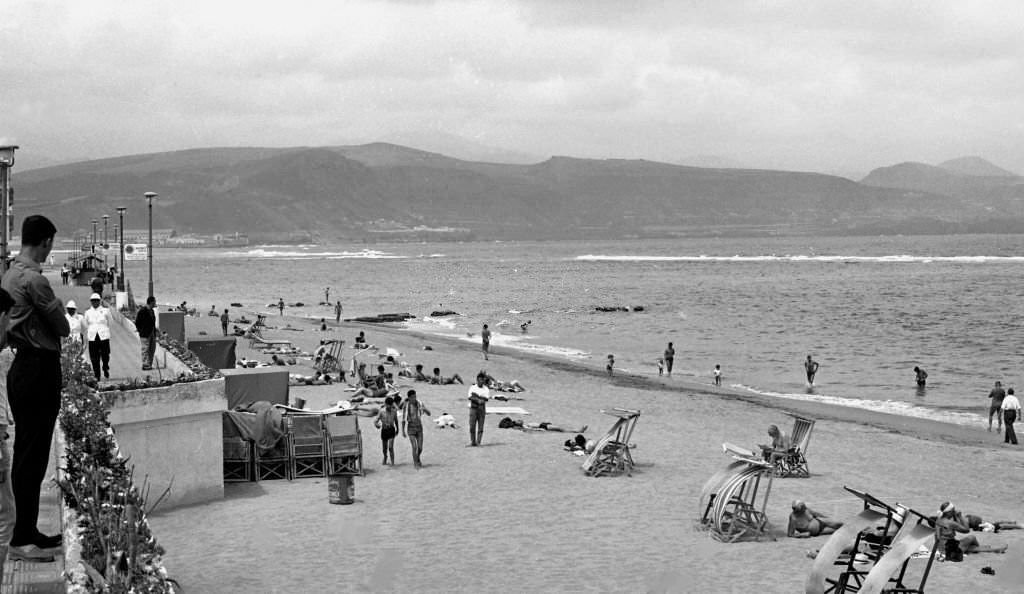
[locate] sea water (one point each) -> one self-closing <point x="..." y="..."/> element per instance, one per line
<point x="867" y="309"/>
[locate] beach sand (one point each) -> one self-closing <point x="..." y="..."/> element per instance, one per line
<point x="518" y="515"/>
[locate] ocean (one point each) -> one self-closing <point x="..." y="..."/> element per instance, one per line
<point x="868" y="308"/>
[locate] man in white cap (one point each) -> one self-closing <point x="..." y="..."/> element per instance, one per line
<point x="75" y="321"/>
<point x="97" y="324"/>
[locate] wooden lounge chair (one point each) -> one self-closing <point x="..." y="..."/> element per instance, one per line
<point x="344" y="445"/>
<point x="308" y="443"/>
<point x="611" y="455"/>
<point x="793" y="461"/>
<point x="274" y="463"/>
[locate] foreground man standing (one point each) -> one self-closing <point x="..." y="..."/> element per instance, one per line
<point x="37" y="324"/>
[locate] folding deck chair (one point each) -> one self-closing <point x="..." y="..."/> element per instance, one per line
<point x="255" y="335"/>
<point x="344" y="445"/>
<point x="611" y="455"/>
<point x="308" y="442"/>
<point x="330" y="358"/>
<point x="868" y="537"/>
<point x="275" y="463"/>
<point x="238" y="458"/>
<point x="793" y="462"/>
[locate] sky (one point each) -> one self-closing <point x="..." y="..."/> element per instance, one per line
<point x="814" y="86"/>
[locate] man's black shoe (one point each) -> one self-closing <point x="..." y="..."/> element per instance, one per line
<point x="48" y="542"/>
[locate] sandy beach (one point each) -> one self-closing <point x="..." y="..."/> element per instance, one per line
<point x="519" y="515"/>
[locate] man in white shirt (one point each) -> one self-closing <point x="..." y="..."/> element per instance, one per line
<point x="75" y="321"/>
<point x="1011" y="412"/>
<point x="97" y="324"/>
<point x="479" y="394"/>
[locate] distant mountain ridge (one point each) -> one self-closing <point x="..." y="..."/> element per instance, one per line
<point x="982" y="186"/>
<point x="385" y="191"/>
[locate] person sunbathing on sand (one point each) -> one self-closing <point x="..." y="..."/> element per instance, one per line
<point x="418" y="374"/>
<point x="805" y="522"/>
<point x="509" y="423"/>
<point x="439" y="379"/>
<point x="949" y="522"/>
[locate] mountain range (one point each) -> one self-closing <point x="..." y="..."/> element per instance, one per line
<point x="382" y="190"/>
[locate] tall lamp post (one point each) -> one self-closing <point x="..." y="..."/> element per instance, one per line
<point x="6" y="162"/>
<point x="105" y="244"/>
<point x="150" y="196"/>
<point x="94" y="221"/>
<point x="120" y="269"/>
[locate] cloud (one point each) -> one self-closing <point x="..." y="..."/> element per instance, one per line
<point x="806" y="85"/>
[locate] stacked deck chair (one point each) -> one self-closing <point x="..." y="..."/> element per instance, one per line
<point x="344" y="445"/>
<point x="238" y="453"/>
<point x="733" y="500"/>
<point x="611" y="455"/>
<point x="308" y="442"/>
<point x="879" y="532"/>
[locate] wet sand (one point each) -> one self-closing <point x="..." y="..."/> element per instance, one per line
<point x="519" y="515"/>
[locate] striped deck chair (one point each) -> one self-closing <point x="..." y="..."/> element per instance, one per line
<point x="611" y="455"/>
<point x="344" y="445"/>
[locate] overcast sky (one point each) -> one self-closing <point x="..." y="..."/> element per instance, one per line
<point x="816" y="85"/>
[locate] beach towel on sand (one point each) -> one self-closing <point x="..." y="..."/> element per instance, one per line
<point x="506" y="410"/>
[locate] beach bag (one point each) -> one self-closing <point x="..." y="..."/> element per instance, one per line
<point x="953" y="551"/>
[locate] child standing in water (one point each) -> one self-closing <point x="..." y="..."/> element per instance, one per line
<point x="661" y="366"/>
<point x="611" y="365"/>
<point x="718" y="374"/>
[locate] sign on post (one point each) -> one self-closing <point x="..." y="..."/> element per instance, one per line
<point x="135" y="251"/>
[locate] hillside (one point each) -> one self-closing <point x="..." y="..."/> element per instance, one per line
<point x="980" y="190"/>
<point x="383" y="190"/>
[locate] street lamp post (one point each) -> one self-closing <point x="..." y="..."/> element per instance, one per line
<point x="94" y="221"/>
<point x="6" y="162"/>
<point x="120" y="269"/>
<point x="149" y="197"/>
<point x="105" y="244"/>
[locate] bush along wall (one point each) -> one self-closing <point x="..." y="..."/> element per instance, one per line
<point x="118" y="552"/>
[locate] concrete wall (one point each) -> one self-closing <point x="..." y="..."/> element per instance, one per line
<point x="173" y="437"/>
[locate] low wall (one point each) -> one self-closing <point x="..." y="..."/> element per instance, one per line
<point x="172" y="435"/>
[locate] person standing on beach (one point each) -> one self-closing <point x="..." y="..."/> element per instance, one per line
<point x="718" y="374"/>
<point x="995" y="407"/>
<point x="337" y="312"/>
<point x="412" y="425"/>
<point x="479" y="394"/>
<point x="387" y="422"/>
<point x="224" y="319"/>
<point x="485" y="337"/>
<point x="609" y="367"/>
<point x="921" y="375"/>
<point x="280" y="305"/>
<point x="327" y="295"/>
<point x="145" y="324"/>
<point x="97" y="329"/>
<point x="36" y="326"/>
<point x="669" y="356"/>
<point x="811" y="367"/>
<point x="1011" y="412"/>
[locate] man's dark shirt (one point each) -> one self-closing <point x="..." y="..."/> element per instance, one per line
<point x="145" y="322"/>
<point x="37" y="316"/>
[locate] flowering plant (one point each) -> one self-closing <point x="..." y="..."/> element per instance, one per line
<point x="119" y="553"/>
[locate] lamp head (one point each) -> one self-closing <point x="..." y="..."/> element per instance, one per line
<point x="150" y="195"/>
<point x="7" y="155"/>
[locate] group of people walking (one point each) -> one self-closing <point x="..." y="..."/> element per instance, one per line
<point x="1005" y="407"/>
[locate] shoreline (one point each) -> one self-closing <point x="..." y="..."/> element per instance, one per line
<point x="921" y="428"/>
